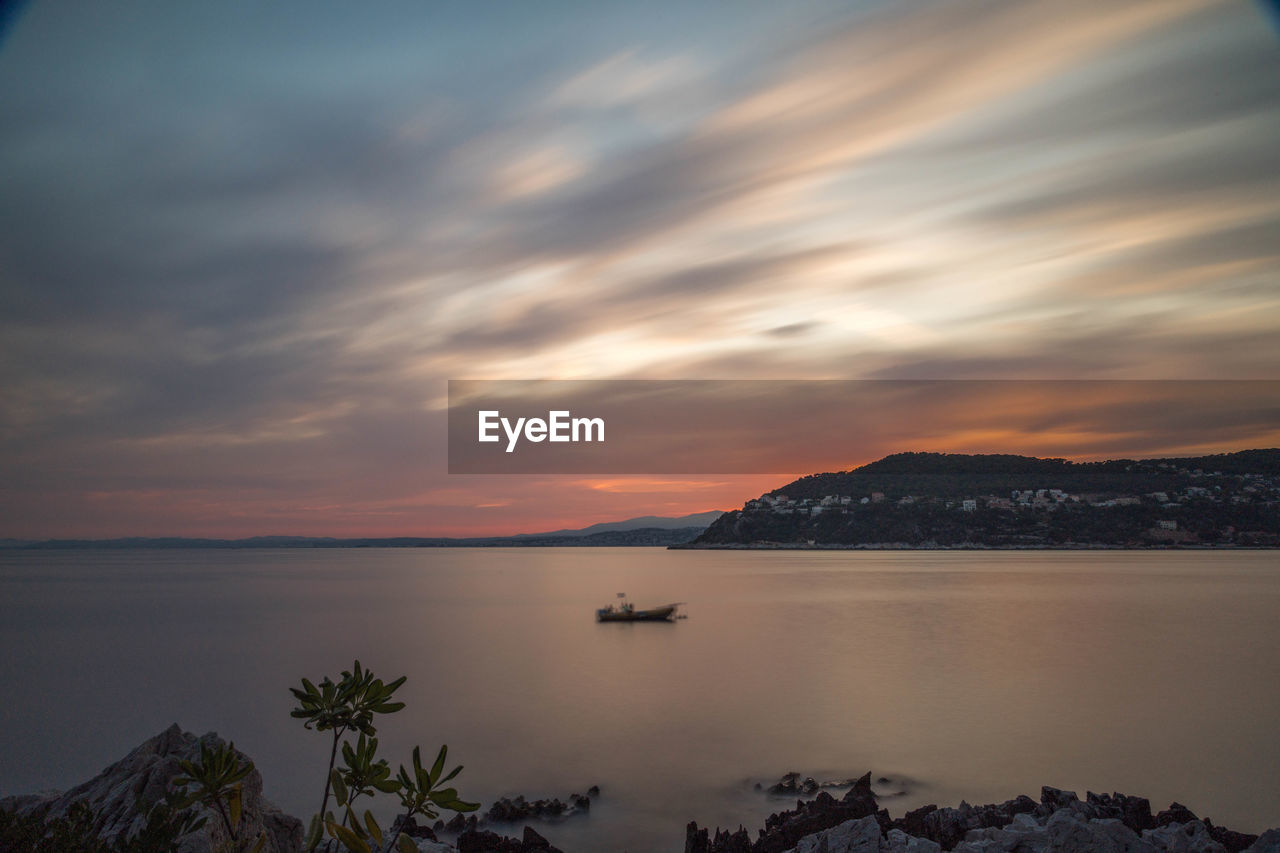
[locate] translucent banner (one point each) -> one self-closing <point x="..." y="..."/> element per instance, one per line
<point x="771" y="426"/>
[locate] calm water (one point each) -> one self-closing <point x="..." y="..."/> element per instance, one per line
<point x="978" y="676"/>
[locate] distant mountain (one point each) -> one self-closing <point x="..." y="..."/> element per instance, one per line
<point x="949" y="500"/>
<point x="643" y="531"/>
<point x="658" y="522"/>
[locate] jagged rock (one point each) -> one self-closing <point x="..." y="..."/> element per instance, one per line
<point x="413" y="829"/>
<point x="533" y="841"/>
<point x="425" y="845"/>
<point x="508" y="810"/>
<point x="120" y="794"/>
<point x="1176" y="813"/>
<point x="949" y="826"/>
<point x="897" y="841"/>
<point x="1059" y="823"/>
<point x="791" y="785"/>
<point x="1056" y="798"/>
<point x="731" y="842"/>
<point x="484" y="841"/>
<point x="458" y="823"/>
<point x="1070" y="832"/>
<point x="1234" y="842"/>
<point x="852" y="836"/>
<point x="1134" y="812"/>
<point x="783" y="831"/>
<point x="1190" y="837"/>
<point x="696" y="840"/>
<point x="1023" y="834"/>
<point x="794" y="785"/>
<point x="1268" y="842"/>
<point x="593" y="791"/>
<point x="913" y="822"/>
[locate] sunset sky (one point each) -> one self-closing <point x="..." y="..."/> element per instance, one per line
<point x="245" y="245"/>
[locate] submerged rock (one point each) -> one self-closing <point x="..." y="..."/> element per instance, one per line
<point x="516" y="809"/>
<point x="791" y="785"/>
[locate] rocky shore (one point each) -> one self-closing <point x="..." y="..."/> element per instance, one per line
<point x="1059" y="822"/>
<point x="143" y="776"/>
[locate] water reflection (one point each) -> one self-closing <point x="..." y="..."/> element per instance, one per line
<point x="980" y="675"/>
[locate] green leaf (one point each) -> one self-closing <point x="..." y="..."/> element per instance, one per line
<point x="444" y="797"/>
<point x="348" y="838"/>
<point x="454" y="772"/>
<point x="262" y="843"/>
<point x="339" y="788"/>
<point x="233" y="801"/>
<point x="313" y="832"/>
<point x="406" y="845"/>
<point x="375" y="831"/>
<point x="439" y="765"/>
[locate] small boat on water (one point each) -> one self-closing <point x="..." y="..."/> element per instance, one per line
<point x="625" y="611"/>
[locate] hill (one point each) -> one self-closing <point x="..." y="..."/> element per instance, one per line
<point x="1003" y="500"/>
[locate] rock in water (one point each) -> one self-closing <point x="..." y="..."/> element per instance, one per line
<point x="120" y="795"/>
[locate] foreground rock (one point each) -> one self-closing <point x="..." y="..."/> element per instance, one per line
<point x="120" y="794"/>
<point x="1059" y="823"/>
<point x="784" y="831"/>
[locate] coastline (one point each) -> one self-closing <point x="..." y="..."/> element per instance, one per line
<point x="116" y="801"/>
<point x="966" y="546"/>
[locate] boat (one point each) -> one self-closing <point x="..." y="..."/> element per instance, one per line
<point x="625" y="611"/>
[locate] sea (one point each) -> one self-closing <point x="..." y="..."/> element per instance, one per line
<point x="949" y="675"/>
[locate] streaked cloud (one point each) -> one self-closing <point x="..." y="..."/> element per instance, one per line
<point x="237" y="277"/>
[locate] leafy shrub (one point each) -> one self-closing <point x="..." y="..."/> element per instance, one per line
<point x="348" y="706"/>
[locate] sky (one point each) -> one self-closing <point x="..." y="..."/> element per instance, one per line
<point x="243" y="246"/>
